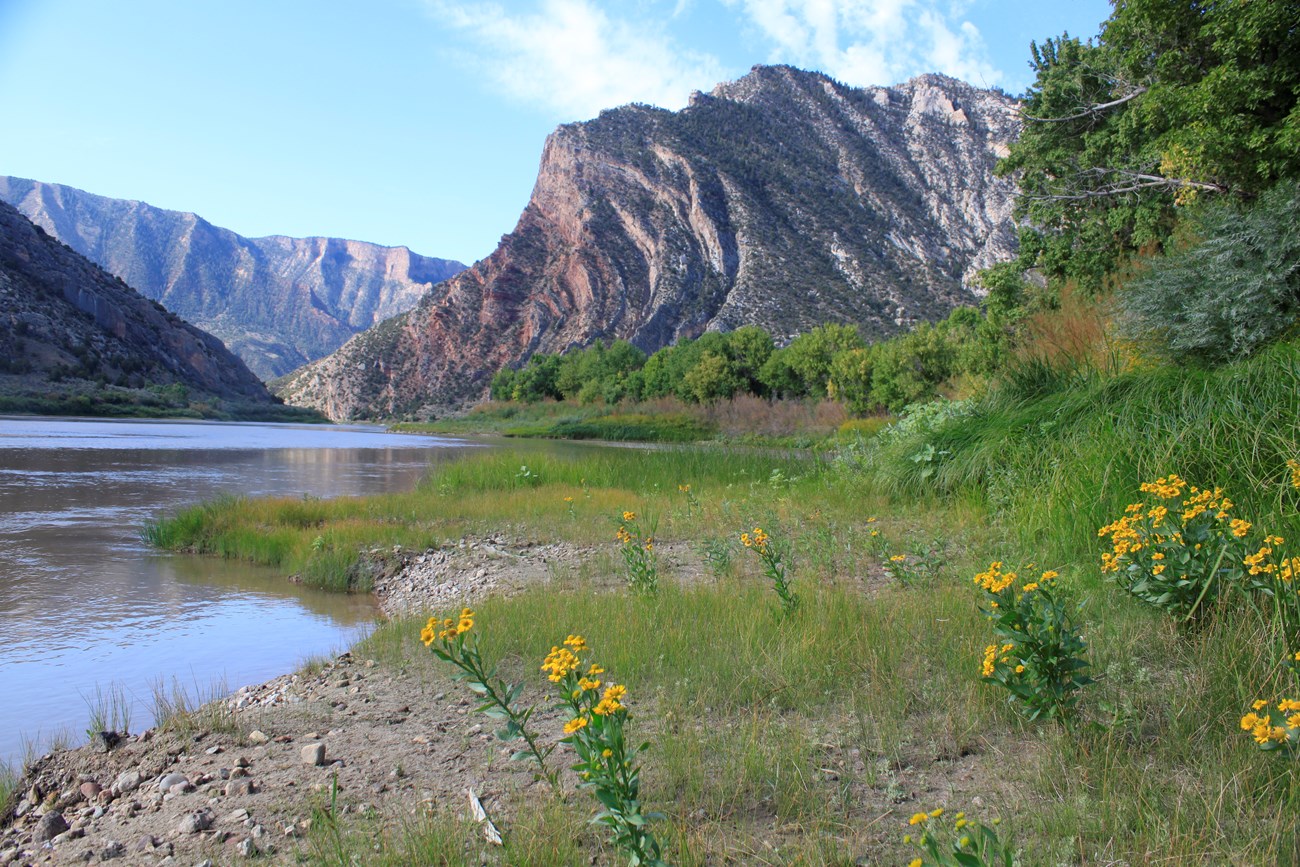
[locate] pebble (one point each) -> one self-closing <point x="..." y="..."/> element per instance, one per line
<point x="313" y="754"/>
<point x="51" y="825"/>
<point x="90" y="789"/>
<point x="127" y="781"/>
<point x="112" y="849"/>
<point x="256" y="737"/>
<point x="196" y="822"/>
<point x="242" y="786"/>
<point x="170" y="781"/>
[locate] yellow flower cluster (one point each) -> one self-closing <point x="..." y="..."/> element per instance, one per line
<point x="995" y="580"/>
<point x="685" y="489"/>
<point x="1168" y="487"/>
<point x="758" y="541"/>
<point x="1261" y="727"/>
<point x="447" y="628"/>
<point x="1140" y="527"/>
<point x="610" y="702"/>
<point x="1294" y="466"/>
<point x="623" y="536"/>
<point x="560" y="662"/>
<point x="991" y="658"/>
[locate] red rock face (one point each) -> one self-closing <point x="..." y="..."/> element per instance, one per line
<point x="783" y="200"/>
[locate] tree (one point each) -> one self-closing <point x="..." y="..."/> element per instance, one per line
<point x="1175" y="100"/>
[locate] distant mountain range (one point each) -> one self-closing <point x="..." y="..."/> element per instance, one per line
<point x="784" y="199"/>
<point x="74" y="338"/>
<point x="276" y="302"/>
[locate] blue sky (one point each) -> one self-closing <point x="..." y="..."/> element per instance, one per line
<point x="421" y="122"/>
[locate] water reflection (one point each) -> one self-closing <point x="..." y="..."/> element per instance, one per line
<point x="85" y="604"/>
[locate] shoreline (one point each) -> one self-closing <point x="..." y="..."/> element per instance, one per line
<point x="241" y="776"/>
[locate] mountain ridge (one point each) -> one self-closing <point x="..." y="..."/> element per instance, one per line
<point x="783" y="199"/>
<point x="276" y="300"/>
<point x="74" y="337"/>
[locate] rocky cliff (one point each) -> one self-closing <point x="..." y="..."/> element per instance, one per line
<point x="70" y="330"/>
<point x="276" y="302"/>
<point x="783" y="199"/>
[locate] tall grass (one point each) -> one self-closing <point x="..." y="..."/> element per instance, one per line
<point x="1059" y="460"/>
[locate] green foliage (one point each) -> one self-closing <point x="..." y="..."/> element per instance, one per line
<point x="1231" y="293"/>
<point x="803" y="367"/>
<point x="968" y="843"/>
<point x="1039" y="655"/>
<point x="1172" y="101"/>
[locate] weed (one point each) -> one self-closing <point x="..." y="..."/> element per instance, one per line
<point x="968" y="843"/>
<point x="446" y="638"/>
<point x="606" y="765"/>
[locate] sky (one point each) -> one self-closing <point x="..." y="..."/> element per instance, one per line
<point x="421" y="122"/>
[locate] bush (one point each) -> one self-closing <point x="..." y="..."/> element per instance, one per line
<point x="1230" y="294"/>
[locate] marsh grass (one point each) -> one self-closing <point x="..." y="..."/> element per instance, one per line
<point x="334" y="543"/>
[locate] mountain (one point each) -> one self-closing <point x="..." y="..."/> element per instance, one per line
<point x="784" y="199"/>
<point x="74" y="338"/>
<point x="276" y="302"/>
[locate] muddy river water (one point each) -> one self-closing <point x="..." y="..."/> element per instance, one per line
<point x="87" y="609"/>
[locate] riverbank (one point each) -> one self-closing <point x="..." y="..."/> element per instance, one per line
<point x="813" y="733"/>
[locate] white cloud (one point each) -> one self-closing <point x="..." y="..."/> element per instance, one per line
<point x="865" y="42"/>
<point x="571" y="58"/>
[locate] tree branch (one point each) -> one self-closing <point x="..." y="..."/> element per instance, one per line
<point x="1138" y="181"/>
<point x="1089" y="111"/>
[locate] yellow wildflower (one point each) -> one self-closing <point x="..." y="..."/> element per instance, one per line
<point x="918" y="819"/>
<point x="559" y="662"/>
<point x="576" y="643"/>
<point x="574" y="724"/>
<point x="1259" y="704"/>
<point x="1239" y="527"/>
<point x="629" y="516"/>
<point x="898" y="558"/>
<point x="936" y="812"/>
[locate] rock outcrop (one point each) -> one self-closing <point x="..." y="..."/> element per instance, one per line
<point x="276" y="302"/>
<point x="66" y="324"/>
<point x="784" y="199"/>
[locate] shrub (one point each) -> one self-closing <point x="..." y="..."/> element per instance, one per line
<point x="1228" y="295"/>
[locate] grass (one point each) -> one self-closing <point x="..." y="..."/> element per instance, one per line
<point x="110" y="711"/>
<point x="744" y="419"/>
<point x="177" y="708"/>
<point x="337" y="543"/>
<point x="1060" y="459"/>
<point x="810" y="740"/>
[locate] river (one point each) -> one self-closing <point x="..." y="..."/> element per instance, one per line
<point x="86" y="608"/>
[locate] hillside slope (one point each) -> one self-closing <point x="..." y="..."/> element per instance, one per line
<point x="783" y="199"/>
<point x="277" y="302"/>
<point x="71" y="332"/>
